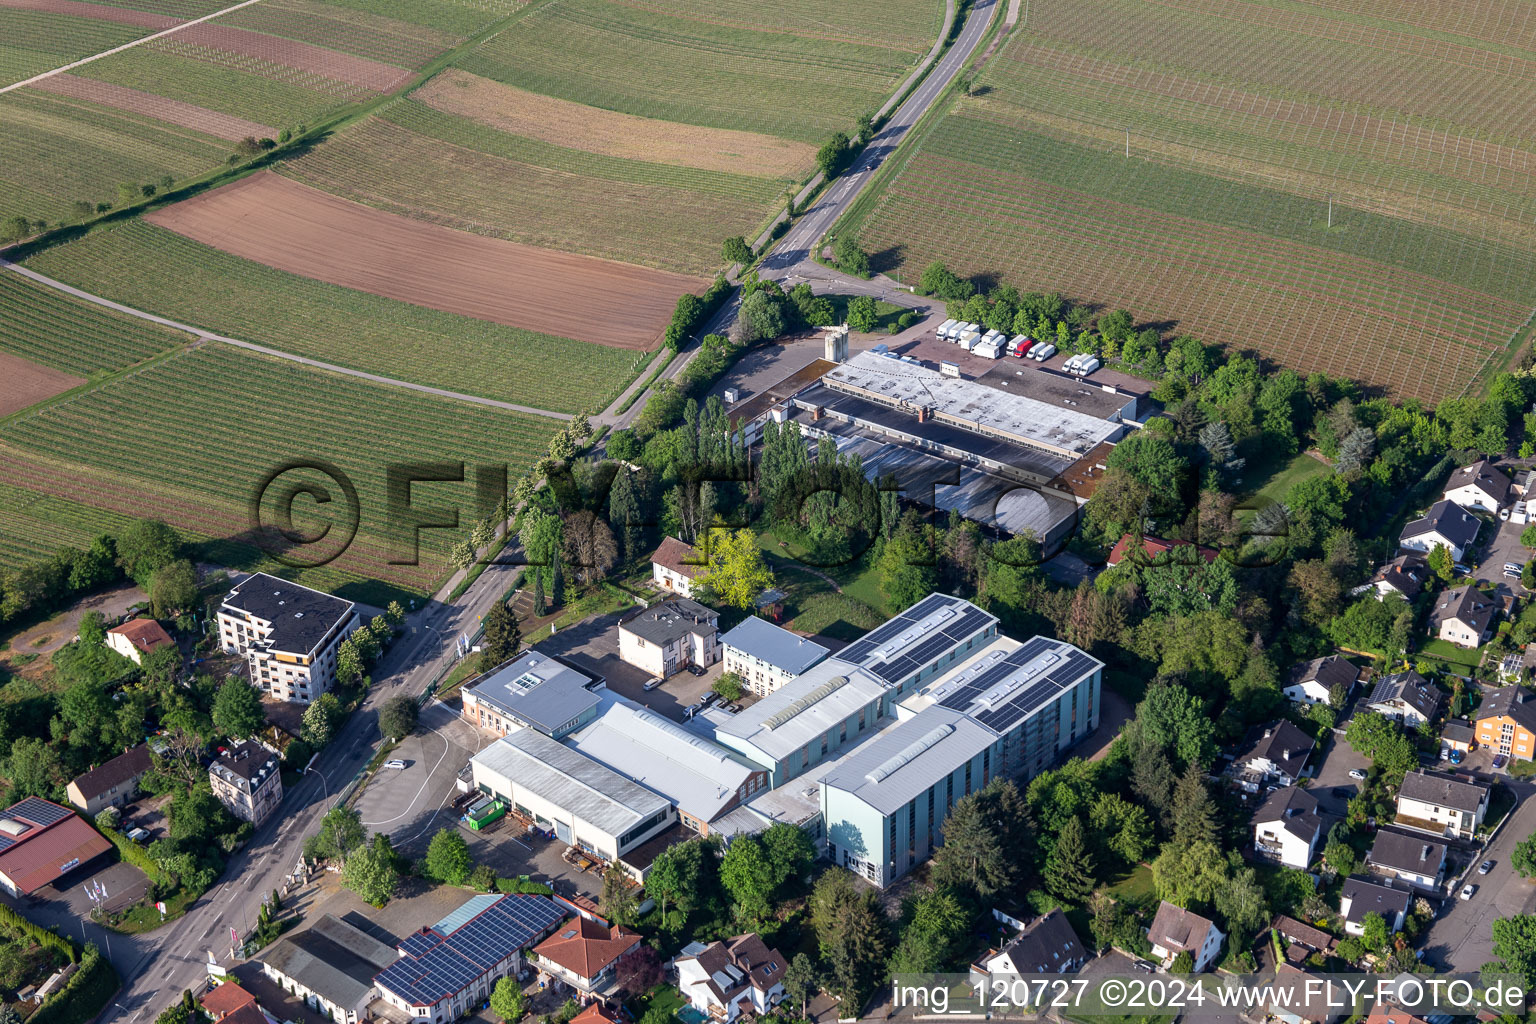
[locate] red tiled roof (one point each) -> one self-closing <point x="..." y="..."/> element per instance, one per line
<point x="585" y="947"/>
<point x="594" y="1014"/>
<point x="42" y="853"/>
<point x="679" y="557"/>
<point x="227" y="998"/>
<point x="250" y="1013"/>
<point x="1155" y="548"/>
<point x="145" y="634"/>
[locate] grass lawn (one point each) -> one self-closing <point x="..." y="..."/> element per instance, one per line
<point x="887" y="312"/>
<point x="1136" y="886"/>
<point x="599" y="600"/>
<point x="813" y="605"/>
<point x="1283" y="478"/>
<point x="143" y="917"/>
<point x="1444" y="650"/>
<point x="1500" y="802"/>
<point x="663" y="996"/>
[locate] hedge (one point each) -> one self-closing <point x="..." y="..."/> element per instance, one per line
<point x="522" y="885"/>
<point x="84" y="995"/>
<point x="692" y="311"/>
<point x="19" y="927"/>
<point x="136" y="855"/>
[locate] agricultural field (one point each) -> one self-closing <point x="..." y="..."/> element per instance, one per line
<point x="190" y="438"/>
<point x="160" y="271"/>
<point x="1334" y="187"/>
<point x="45" y="326"/>
<point x="679" y="126"/>
<point x="170" y="108"/>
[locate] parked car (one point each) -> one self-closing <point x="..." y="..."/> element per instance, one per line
<point x="1456" y="756"/>
<point x="1504" y="515"/>
<point x="138" y="835"/>
<point x="709" y="698"/>
<point x="1499" y="760"/>
<point x="1445" y="753"/>
<point x="652" y="683"/>
<point x="1514" y="567"/>
<point x="696" y="670"/>
<point x="1485" y="867"/>
<point x="1357" y="773"/>
<point x="397" y="764"/>
<point x="1511" y="574"/>
<point x="1467" y="891"/>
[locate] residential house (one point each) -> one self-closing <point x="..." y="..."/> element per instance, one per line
<point x="1302" y="997"/>
<point x="288" y="634"/>
<point x="1385" y="1013"/>
<point x="1271" y="755"/>
<point x="1176" y="930"/>
<point x="1405" y="697"/>
<point x="1415" y="860"/>
<point x="596" y="1013"/>
<point x="1303" y="939"/>
<point x="447" y="970"/>
<point x="1506" y="722"/>
<point x="1313" y="681"/>
<point x="1157" y="551"/>
<point x="1458" y="734"/>
<point x="1445" y="523"/>
<point x="1445" y="805"/>
<point x="1480" y="486"/>
<point x="1361" y="896"/>
<point x="668" y="638"/>
<point x="113" y="784"/>
<point x="246" y="779"/>
<point x="1048" y="945"/>
<point x="675" y="566"/>
<point x="330" y="966"/>
<point x="766" y="656"/>
<point x="725" y="980"/>
<point x="1464" y="616"/>
<point x="137" y="637"/>
<point x="1287" y="828"/>
<point x="226" y="999"/>
<point x="43" y="842"/>
<point x="1406" y="575"/>
<point x="582" y="954"/>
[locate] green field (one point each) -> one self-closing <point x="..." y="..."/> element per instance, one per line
<point x="190" y="437"/>
<point x="696" y="71"/>
<point x="48" y="327"/>
<point x="384" y="39"/>
<point x="32" y="42"/>
<point x="420" y="162"/>
<point x="1366" y="212"/>
<point x="208" y="288"/>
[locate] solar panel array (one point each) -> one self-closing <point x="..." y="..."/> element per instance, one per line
<point x="897" y="665"/>
<point x="38" y="810"/>
<point x="1034" y="689"/>
<point x="444" y="967"/>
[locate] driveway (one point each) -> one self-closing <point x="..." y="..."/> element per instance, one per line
<point x="1504" y="546"/>
<point x="593" y="647"/>
<point x="1333" y="772"/>
<point x="1462" y="939"/>
<point x="411" y="805"/>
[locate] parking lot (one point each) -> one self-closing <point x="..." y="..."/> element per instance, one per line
<point x="593" y="647"/>
<point x="1503" y="546"/>
<point x="1333" y="773"/>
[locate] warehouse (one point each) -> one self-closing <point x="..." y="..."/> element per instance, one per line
<point x="558" y="788"/>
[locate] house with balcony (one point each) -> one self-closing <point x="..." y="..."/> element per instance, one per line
<point x="1287" y="828"/>
<point x="1444" y="805"/>
<point x="1464" y="616"/>
<point x="1404" y="697"/>
<point x="1176" y="930"/>
<point x="1506" y="722"/>
<point x="1271" y="755"/>
<point x="726" y="980"/>
<point x="1048" y="945"/>
<point x="1415" y="860"/>
<point x="582" y="954"/>
<point x="287" y="634"/>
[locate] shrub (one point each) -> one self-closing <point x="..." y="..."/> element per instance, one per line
<point x="84" y="996"/>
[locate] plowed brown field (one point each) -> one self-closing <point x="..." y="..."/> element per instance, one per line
<point x="359" y="71"/>
<point x="27" y="383"/>
<point x="135" y="101"/>
<point x="283" y="224"/>
<point x="100" y="12"/>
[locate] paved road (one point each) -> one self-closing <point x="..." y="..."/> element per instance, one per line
<point x="156" y="967"/>
<point x="1462" y="938"/>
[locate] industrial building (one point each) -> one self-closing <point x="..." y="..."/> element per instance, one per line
<point x="41" y="842"/>
<point x="534" y="691"/>
<point x="330" y="966"/>
<point x="766" y="656"/>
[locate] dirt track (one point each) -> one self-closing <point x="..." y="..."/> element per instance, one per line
<point x="293" y="227"/>
<point x="99" y="12"/>
<point x="343" y="67"/>
<point x="199" y="119"/>
<point x="27" y="383"/>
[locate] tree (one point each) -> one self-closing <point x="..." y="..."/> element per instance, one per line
<point x="853" y="934"/>
<point x="639" y="970"/>
<point x="1242" y="903"/>
<point x="1443" y="565"/>
<point x="737" y="572"/>
<point x="736" y="250"/>
<point x="799" y="981"/>
<point x="1523" y="858"/>
<point x="173" y="588"/>
<point x="320" y="720"/>
<point x="34" y="769"/>
<point x="1339" y="855"/>
<point x="1374" y="933"/>
<point x="1069" y="868"/>
<point x="397" y="717"/>
<point x="908" y="572"/>
<point x="791" y="853"/>
<point x="1184" y="963"/>
<point x="370" y="872"/>
<point x="507" y="1000"/>
<point x="862" y="314"/>
<point x="237" y="709"/>
<point x="341" y="831"/>
<point x="728" y="686"/>
<point x="937" y="923"/>
<point x="589" y="545"/>
<point x="93" y="628"/>
<point x="1379" y="738"/>
<point x="1124" y="829"/>
<point x="448" y="857"/>
<point x="747" y="874"/>
<point x="502" y="635"/>
<point x="761" y="317"/>
<point x="675" y="875"/>
<point x="618" y="895"/>
<point x="1514" y="941"/>
<point x="851" y="259"/>
<point x="349" y="663"/>
<point x="1190" y="874"/>
<point x="145" y="545"/>
<point x="978" y="854"/>
<point x="833" y="154"/>
<point x="1193" y="811"/>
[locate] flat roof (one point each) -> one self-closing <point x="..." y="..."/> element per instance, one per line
<point x="698" y="776"/>
<point x="1008" y="681"/>
<point x="1017" y="377"/>
<point x="300" y="617"/>
<point x="901" y="762"/>
<point x="570" y="779"/>
<point x="774" y="645"/>
<point x="1020" y="416"/>
<point x="804" y="708"/>
<point x="537" y="688"/>
<point x="918" y="636"/>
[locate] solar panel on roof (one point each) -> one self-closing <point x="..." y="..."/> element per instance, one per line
<point x="931" y="603"/>
<point x="930" y="649"/>
<point x="857" y="651"/>
<point x="895" y="670"/>
<point x="969" y="622"/>
<point x="40" y="811"/>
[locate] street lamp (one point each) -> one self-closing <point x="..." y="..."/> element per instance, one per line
<point x="324" y="787"/>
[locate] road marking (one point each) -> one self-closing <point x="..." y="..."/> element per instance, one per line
<point x="438" y="733"/>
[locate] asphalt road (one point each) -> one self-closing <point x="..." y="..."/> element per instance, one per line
<point x="157" y="966"/>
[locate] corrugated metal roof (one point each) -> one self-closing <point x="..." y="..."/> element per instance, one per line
<point x="900" y="763"/>
<point x="774" y="644"/>
<point x="570" y="779"/>
<point x="806" y="722"/>
<point x="538" y="689"/>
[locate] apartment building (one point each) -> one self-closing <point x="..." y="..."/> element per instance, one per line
<point x="1506" y="722"/>
<point x="246" y="779"/>
<point x="668" y="638"/>
<point x="288" y="634"/>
